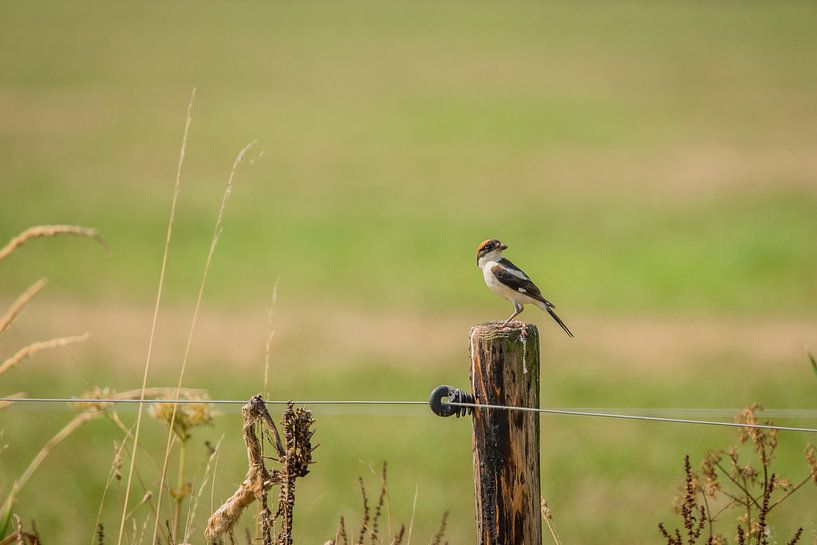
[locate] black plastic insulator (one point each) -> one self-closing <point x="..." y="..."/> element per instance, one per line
<point x="453" y="395"/>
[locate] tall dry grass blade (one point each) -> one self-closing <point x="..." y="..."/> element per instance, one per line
<point x="134" y="539"/>
<point x="185" y="358"/>
<point x="438" y="537"/>
<point x="547" y="516"/>
<point x="159" y="291"/>
<point x="49" y="231"/>
<point x="270" y="335"/>
<point x="213" y="486"/>
<point x="33" y="348"/>
<point x="193" y="505"/>
<point x="413" y="512"/>
<point x="145" y="500"/>
<point x="115" y="468"/>
<point x="17" y="307"/>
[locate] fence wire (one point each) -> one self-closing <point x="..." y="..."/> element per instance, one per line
<point x="661" y="415"/>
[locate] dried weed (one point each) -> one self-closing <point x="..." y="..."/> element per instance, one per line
<point x="40" y="231"/>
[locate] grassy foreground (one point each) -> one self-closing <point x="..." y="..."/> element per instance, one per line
<point x="605" y="481"/>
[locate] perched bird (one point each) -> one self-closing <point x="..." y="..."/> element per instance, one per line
<point x="508" y="281"/>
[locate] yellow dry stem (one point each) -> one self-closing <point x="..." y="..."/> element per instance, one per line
<point x="39" y="346"/>
<point x="48" y="231"/>
<point x="17" y="307"/>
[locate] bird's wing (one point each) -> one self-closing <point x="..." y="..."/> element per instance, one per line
<point x="513" y="269"/>
<point x="513" y="277"/>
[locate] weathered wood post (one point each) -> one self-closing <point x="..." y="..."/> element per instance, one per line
<point x="505" y="371"/>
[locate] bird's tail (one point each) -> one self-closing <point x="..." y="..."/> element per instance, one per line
<point x="548" y="307"/>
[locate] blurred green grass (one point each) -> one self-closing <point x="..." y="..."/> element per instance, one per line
<point x="639" y="158"/>
<point x="398" y="138"/>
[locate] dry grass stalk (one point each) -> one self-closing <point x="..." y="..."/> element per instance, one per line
<point x="183" y="418"/>
<point x="413" y="512"/>
<point x="49" y="231"/>
<point x="4" y="404"/>
<point x="158" y="392"/>
<point x="209" y="468"/>
<point x="381" y="499"/>
<point x="258" y="479"/>
<point x="727" y="483"/>
<point x="438" y="537"/>
<point x="19" y="530"/>
<point x="33" y="348"/>
<point x="219" y="227"/>
<point x="159" y="291"/>
<point x="341" y="533"/>
<point x="270" y="335"/>
<point x="364" y="525"/>
<point x="114" y="473"/>
<point x="20" y="536"/>
<point x="547" y="516"/>
<point x="370" y="527"/>
<point x="398" y="538"/>
<point x="811" y="460"/>
<point x="295" y="462"/>
<point x="20" y="304"/>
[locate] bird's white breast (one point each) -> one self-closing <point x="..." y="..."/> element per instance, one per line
<point x="501" y="289"/>
<point x="494" y="284"/>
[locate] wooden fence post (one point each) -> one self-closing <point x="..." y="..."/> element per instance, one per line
<point x="505" y="371"/>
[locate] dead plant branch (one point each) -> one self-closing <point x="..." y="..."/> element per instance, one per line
<point x="258" y="479"/>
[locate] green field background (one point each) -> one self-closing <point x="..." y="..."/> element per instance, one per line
<point x="652" y="165"/>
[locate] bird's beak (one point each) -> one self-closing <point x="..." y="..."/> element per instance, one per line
<point x="503" y="247"/>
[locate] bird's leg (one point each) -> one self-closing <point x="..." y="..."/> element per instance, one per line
<point x="517" y="308"/>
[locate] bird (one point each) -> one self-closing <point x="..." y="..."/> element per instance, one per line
<point x="510" y="282"/>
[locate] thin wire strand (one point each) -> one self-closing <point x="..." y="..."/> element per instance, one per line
<point x="210" y="401"/>
<point x="632" y="417"/>
<point x="623" y="414"/>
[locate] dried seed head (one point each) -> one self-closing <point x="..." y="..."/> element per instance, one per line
<point x="750" y="473"/>
<point x="811" y="459"/>
<point x="546" y="510"/>
<point x="677" y="503"/>
<point x="99" y="392"/>
<point x="782" y="484"/>
<point x="184" y="491"/>
<point x="188" y="415"/>
<point x="709" y="471"/>
<point x="117" y="461"/>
